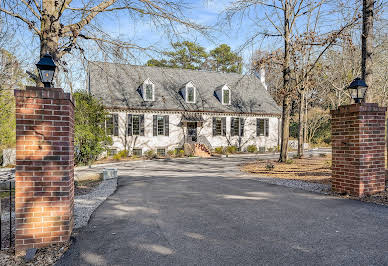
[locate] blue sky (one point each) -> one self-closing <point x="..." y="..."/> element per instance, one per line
<point x="201" y="12"/>
<point x="142" y="33"/>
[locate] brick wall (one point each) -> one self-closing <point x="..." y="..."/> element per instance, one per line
<point x="44" y="196"/>
<point x="358" y="143"/>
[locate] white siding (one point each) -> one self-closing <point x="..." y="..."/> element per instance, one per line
<point x="178" y="133"/>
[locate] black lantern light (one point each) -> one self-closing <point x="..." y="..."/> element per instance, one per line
<point x="357" y="89"/>
<point x="46" y="67"/>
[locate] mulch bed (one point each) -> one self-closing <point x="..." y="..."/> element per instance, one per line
<point x="312" y="169"/>
<point x="85" y="187"/>
<point x="43" y="256"/>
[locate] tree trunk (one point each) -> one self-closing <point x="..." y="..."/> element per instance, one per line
<point x="301" y="123"/>
<point x="286" y="83"/>
<point x="367" y="43"/>
<point x="285" y="128"/>
<point x="50" y="27"/>
<point x="305" y="121"/>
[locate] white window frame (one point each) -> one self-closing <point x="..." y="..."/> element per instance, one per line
<point x="161" y="118"/>
<point x="190" y="85"/>
<point x="144" y="86"/>
<point x="132" y="122"/>
<point x="222" y="100"/>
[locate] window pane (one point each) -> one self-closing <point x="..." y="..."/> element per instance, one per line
<point x="135" y="125"/>
<point x="226" y="96"/>
<point x="115" y="124"/>
<point x="137" y="152"/>
<point x="109" y="125"/>
<point x="190" y="94"/>
<point x="236" y="126"/>
<point x="148" y="92"/>
<point x="260" y="127"/>
<point x="161" y="152"/>
<point x="218" y="126"/>
<point x="160" y="125"/>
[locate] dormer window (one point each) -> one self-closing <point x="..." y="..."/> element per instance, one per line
<point x="223" y="94"/>
<point x="149" y="92"/>
<point x="189" y="92"/>
<point x="190" y="98"/>
<point x="226" y="95"/>
<point x="148" y="89"/>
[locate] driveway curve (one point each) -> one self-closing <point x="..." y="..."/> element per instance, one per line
<point x="206" y="212"/>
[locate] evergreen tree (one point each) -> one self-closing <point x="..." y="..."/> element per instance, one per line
<point x="90" y="138"/>
<point x="224" y="59"/>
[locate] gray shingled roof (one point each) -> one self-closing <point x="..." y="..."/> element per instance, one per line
<point x="117" y="85"/>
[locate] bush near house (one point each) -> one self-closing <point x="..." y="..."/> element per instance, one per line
<point x="171" y="153"/>
<point x="219" y="150"/>
<point x="252" y="149"/>
<point x="181" y="153"/>
<point x="231" y="149"/>
<point x="120" y="155"/>
<point x="90" y="138"/>
<point x="150" y="154"/>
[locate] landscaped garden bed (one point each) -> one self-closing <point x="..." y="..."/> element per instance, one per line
<point x="312" y="169"/>
<point x="312" y="173"/>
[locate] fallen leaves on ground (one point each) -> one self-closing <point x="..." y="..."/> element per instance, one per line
<point x="43" y="256"/>
<point x="314" y="169"/>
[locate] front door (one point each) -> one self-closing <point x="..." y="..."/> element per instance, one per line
<point x="192" y="131"/>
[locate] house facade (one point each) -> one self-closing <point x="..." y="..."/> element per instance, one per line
<point x="161" y="109"/>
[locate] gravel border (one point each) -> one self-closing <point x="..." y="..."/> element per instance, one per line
<point x="84" y="205"/>
<point x="308" y="186"/>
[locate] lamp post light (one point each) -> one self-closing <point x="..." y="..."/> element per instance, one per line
<point x="46" y="67"/>
<point x="357" y="90"/>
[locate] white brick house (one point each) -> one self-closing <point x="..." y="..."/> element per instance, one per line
<point x="163" y="108"/>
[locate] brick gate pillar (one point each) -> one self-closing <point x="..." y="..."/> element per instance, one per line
<point x="44" y="196"/>
<point x="358" y="144"/>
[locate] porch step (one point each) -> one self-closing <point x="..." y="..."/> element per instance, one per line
<point x="201" y="150"/>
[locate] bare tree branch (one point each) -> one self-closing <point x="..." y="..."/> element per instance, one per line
<point x="28" y="22"/>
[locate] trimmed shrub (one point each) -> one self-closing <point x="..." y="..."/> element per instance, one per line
<point x="123" y="153"/>
<point x="150" y="154"/>
<point x="116" y="157"/>
<point x="231" y="149"/>
<point x="171" y="153"/>
<point x="219" y="150"/>
<point x="252" y="149"/>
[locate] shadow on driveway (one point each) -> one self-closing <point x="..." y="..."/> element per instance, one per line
<point x="198" y="212"/>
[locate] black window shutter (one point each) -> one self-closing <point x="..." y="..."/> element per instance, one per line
<point x="166" y="125"/>
<point x="115" y="124"/>
<point x="155" y="125"/>
<point x="257" y="127"/>
<point x="266" y="127"/>
<point x="223" y="126"/>
<point x="232" y="126"/>
<point x="129" y="125"/>
<point x="242" y="121"/>
<point x="214" y="126"/>
<point x="141" y="125"/>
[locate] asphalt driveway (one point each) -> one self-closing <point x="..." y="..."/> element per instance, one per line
<point x="205" y="212"/>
